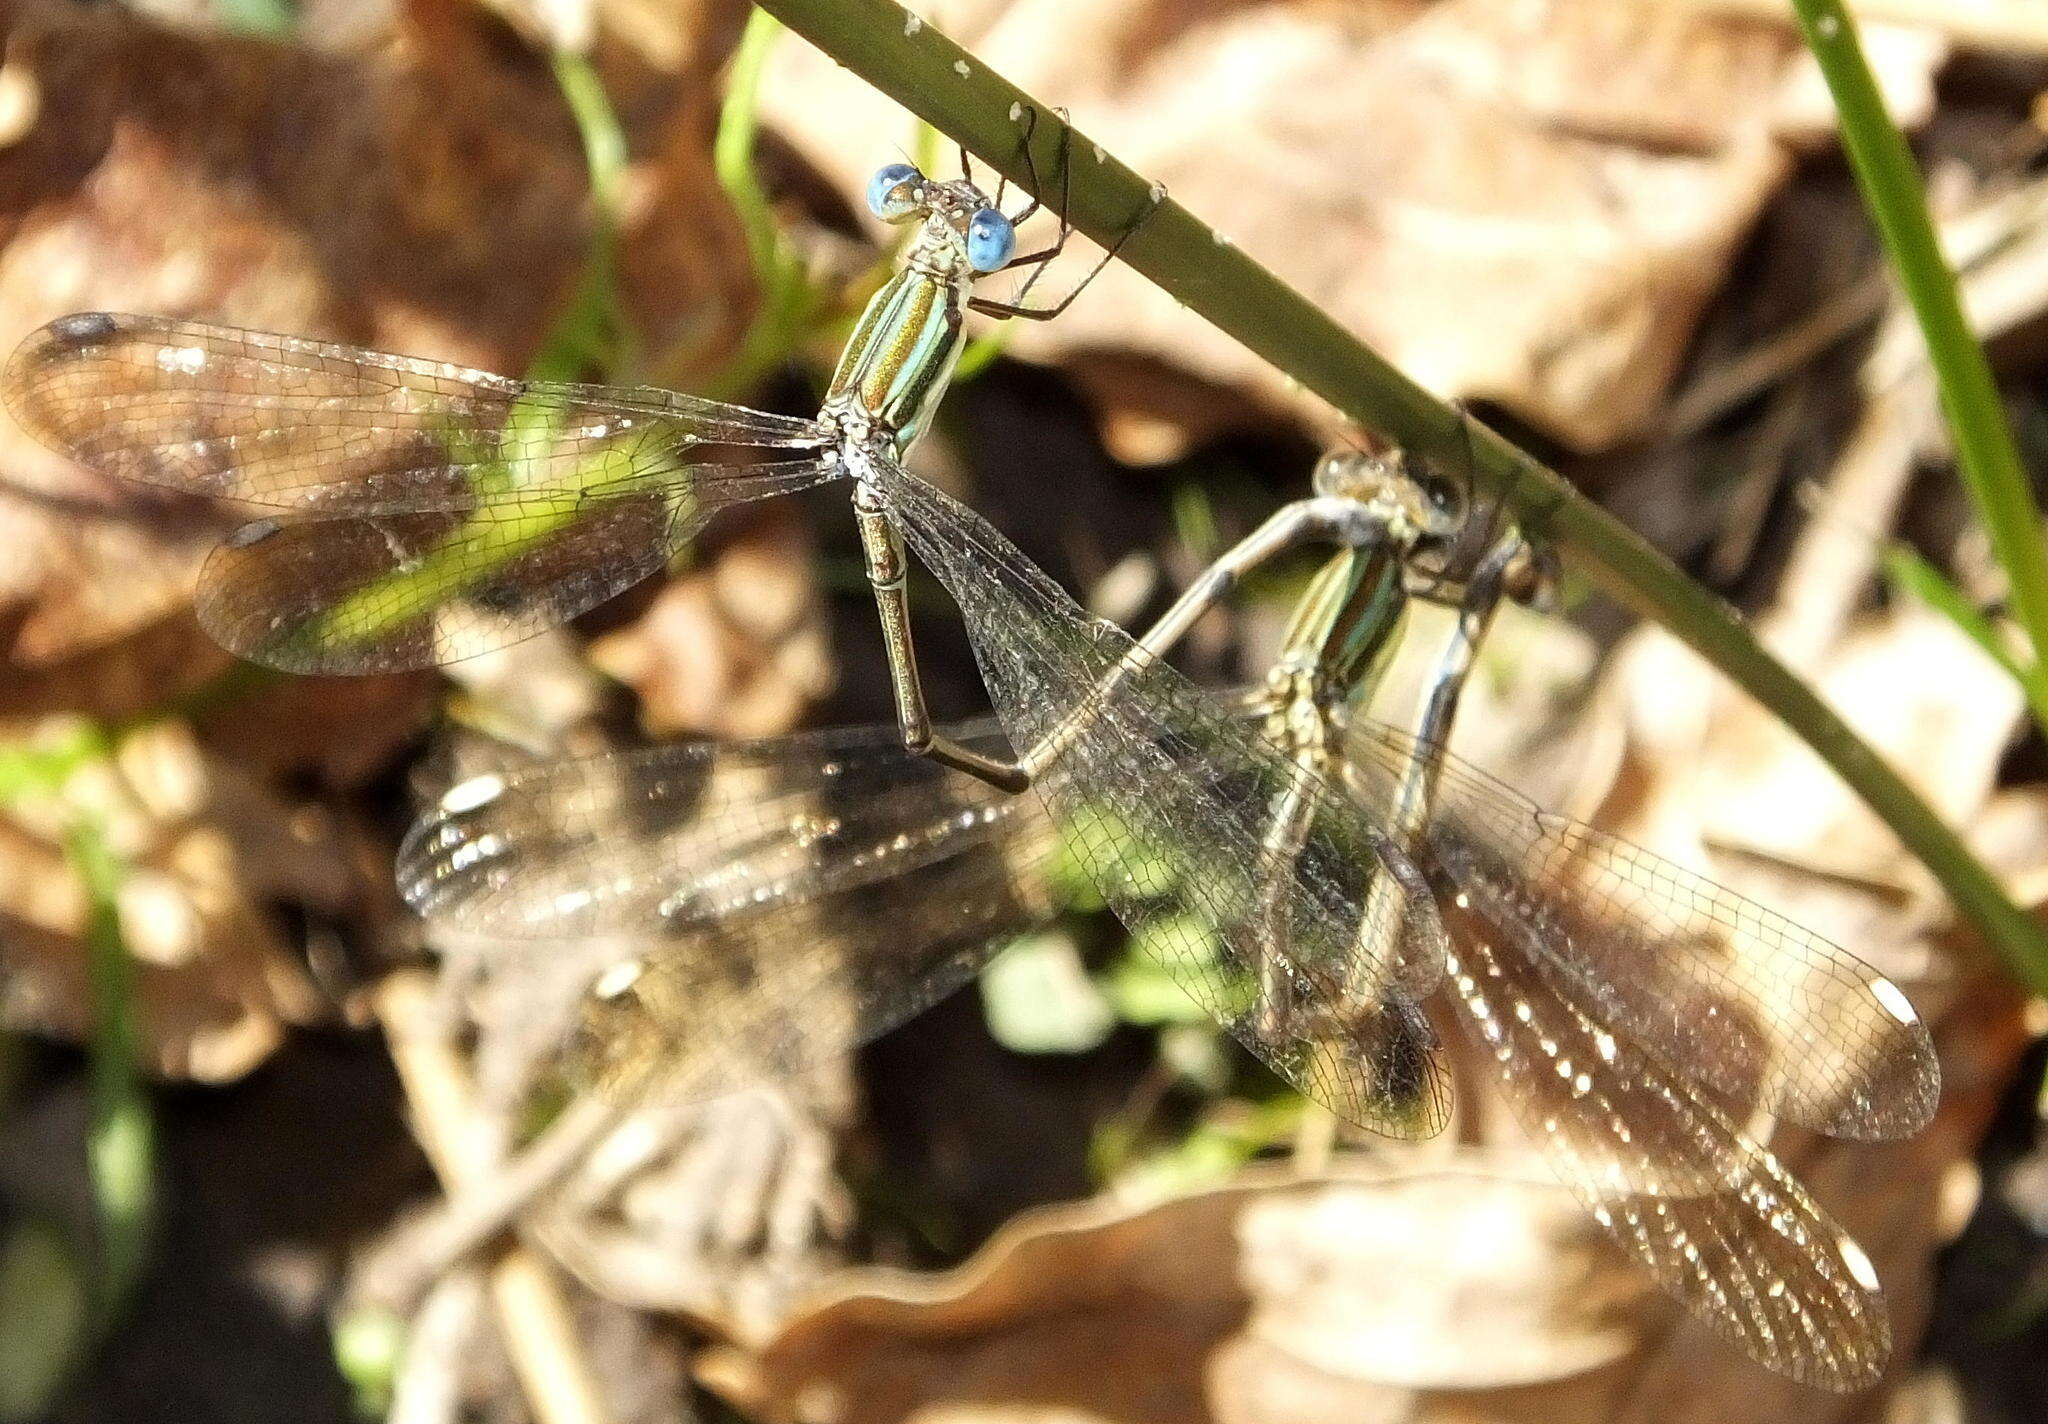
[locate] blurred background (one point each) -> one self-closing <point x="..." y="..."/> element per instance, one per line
<point x="1620" y="229"/>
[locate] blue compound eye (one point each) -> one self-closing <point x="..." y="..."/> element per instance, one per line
<point x="892" y="192"/>
<point x="990" y="240"/>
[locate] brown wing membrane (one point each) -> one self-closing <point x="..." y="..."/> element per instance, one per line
<point x="294" y="424"/>
<point x="665" y="839"/>
<point x="729" y="914"/>
<point x="1722" y="990"/>
<point x="1713" y="1216"/>
<point x="766" y="993"/>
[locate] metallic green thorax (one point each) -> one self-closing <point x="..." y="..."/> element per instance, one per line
<point x="902" y="353"/>
<point x="1348" y="623"/>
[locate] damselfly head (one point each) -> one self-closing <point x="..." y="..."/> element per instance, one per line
<point x="991" y="238"/>
<point x="1399" y="501"/>
<point x="963" y="228"/>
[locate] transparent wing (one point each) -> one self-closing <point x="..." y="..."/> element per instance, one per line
<point x="420" y="588"/>
<point x="764" y="994"/>
<point x="1722" y="991"/>
<point x="659" y="841"/>
<point x="401" y="484"/>
<point x="1708" y="1212"/>
<point x="731" y="914"/>
<point x="295" y="424"/>
<point x="1170" y="802"/>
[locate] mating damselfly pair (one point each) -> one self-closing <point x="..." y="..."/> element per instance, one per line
<point x="1316" y="879"/>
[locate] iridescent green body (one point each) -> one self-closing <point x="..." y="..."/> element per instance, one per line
<point x="1347" y="624"/>
<point x="902" y="353"/>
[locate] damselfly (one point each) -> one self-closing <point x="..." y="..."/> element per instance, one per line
<point x="424" y="513"/>
<point x="1308" y="874"/>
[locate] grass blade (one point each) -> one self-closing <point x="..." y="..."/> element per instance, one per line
<point x="1910" y="574"/>
<point x="121" y="1151"/>
<point x="1893" y="191"/>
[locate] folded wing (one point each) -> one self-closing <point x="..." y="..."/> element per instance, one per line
<point x="1721" y="990"/>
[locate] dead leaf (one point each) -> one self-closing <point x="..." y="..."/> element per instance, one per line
<point x="428" y="198"/>
<point x="209" y="854"/>
<point x="1903" y="60"/>
<point x="1347" y="1297"/>
<point x="736" y="649"/>
<point x="287" y="728"/>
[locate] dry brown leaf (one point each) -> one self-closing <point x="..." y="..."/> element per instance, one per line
<point x="1523" y="203"/>
<point x="2014" y="26"/>
<point x="1904" y="62"/>
<point x="1355" y="1297"/>
<point x="1707" y="767"/>
<point x="291" y="728"/>
<point x="209" y="854"/>
<point x="2010" y="834"/>
<point x="737" y="649"/>
<point x="726" y="1210"/>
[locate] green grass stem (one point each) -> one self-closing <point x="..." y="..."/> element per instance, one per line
<point x="1986" y="453"/>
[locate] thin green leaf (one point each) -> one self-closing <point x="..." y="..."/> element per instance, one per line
<point x="732" y="151"/>
<point x="1146" y="984"/>
<point x="1912" y="576"/>
<point x="269" y="19"/>
<point x="45" y="1318"/>
<point x="1894" y="192"/>
<point x="120" y="1153"/>
<point x="790" y="303"/>
<point x="1231" y="1134"/>
<point x="981" y="352"/>
<point x="369" y="1346"/>
<point x="1194" y="520"/>
<point x="589" y="336"/>
<point x="1038" y="998"/>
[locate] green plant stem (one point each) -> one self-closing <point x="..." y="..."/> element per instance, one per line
<point x="590" y="333"/>
<point x="790" y="304"/>
<point x="1895" y="194"/>
<point x="929" y="75"/>
<point x="120" y="1150"/>
<point x="120" y="1147"/>
<point x="732" y="151"/>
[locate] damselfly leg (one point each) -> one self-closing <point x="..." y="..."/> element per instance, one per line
<point x="1044" y="256"/>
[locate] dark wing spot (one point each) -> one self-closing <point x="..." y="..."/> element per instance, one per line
<point x="254" y="532"/>
<point x="83" y="328"/>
